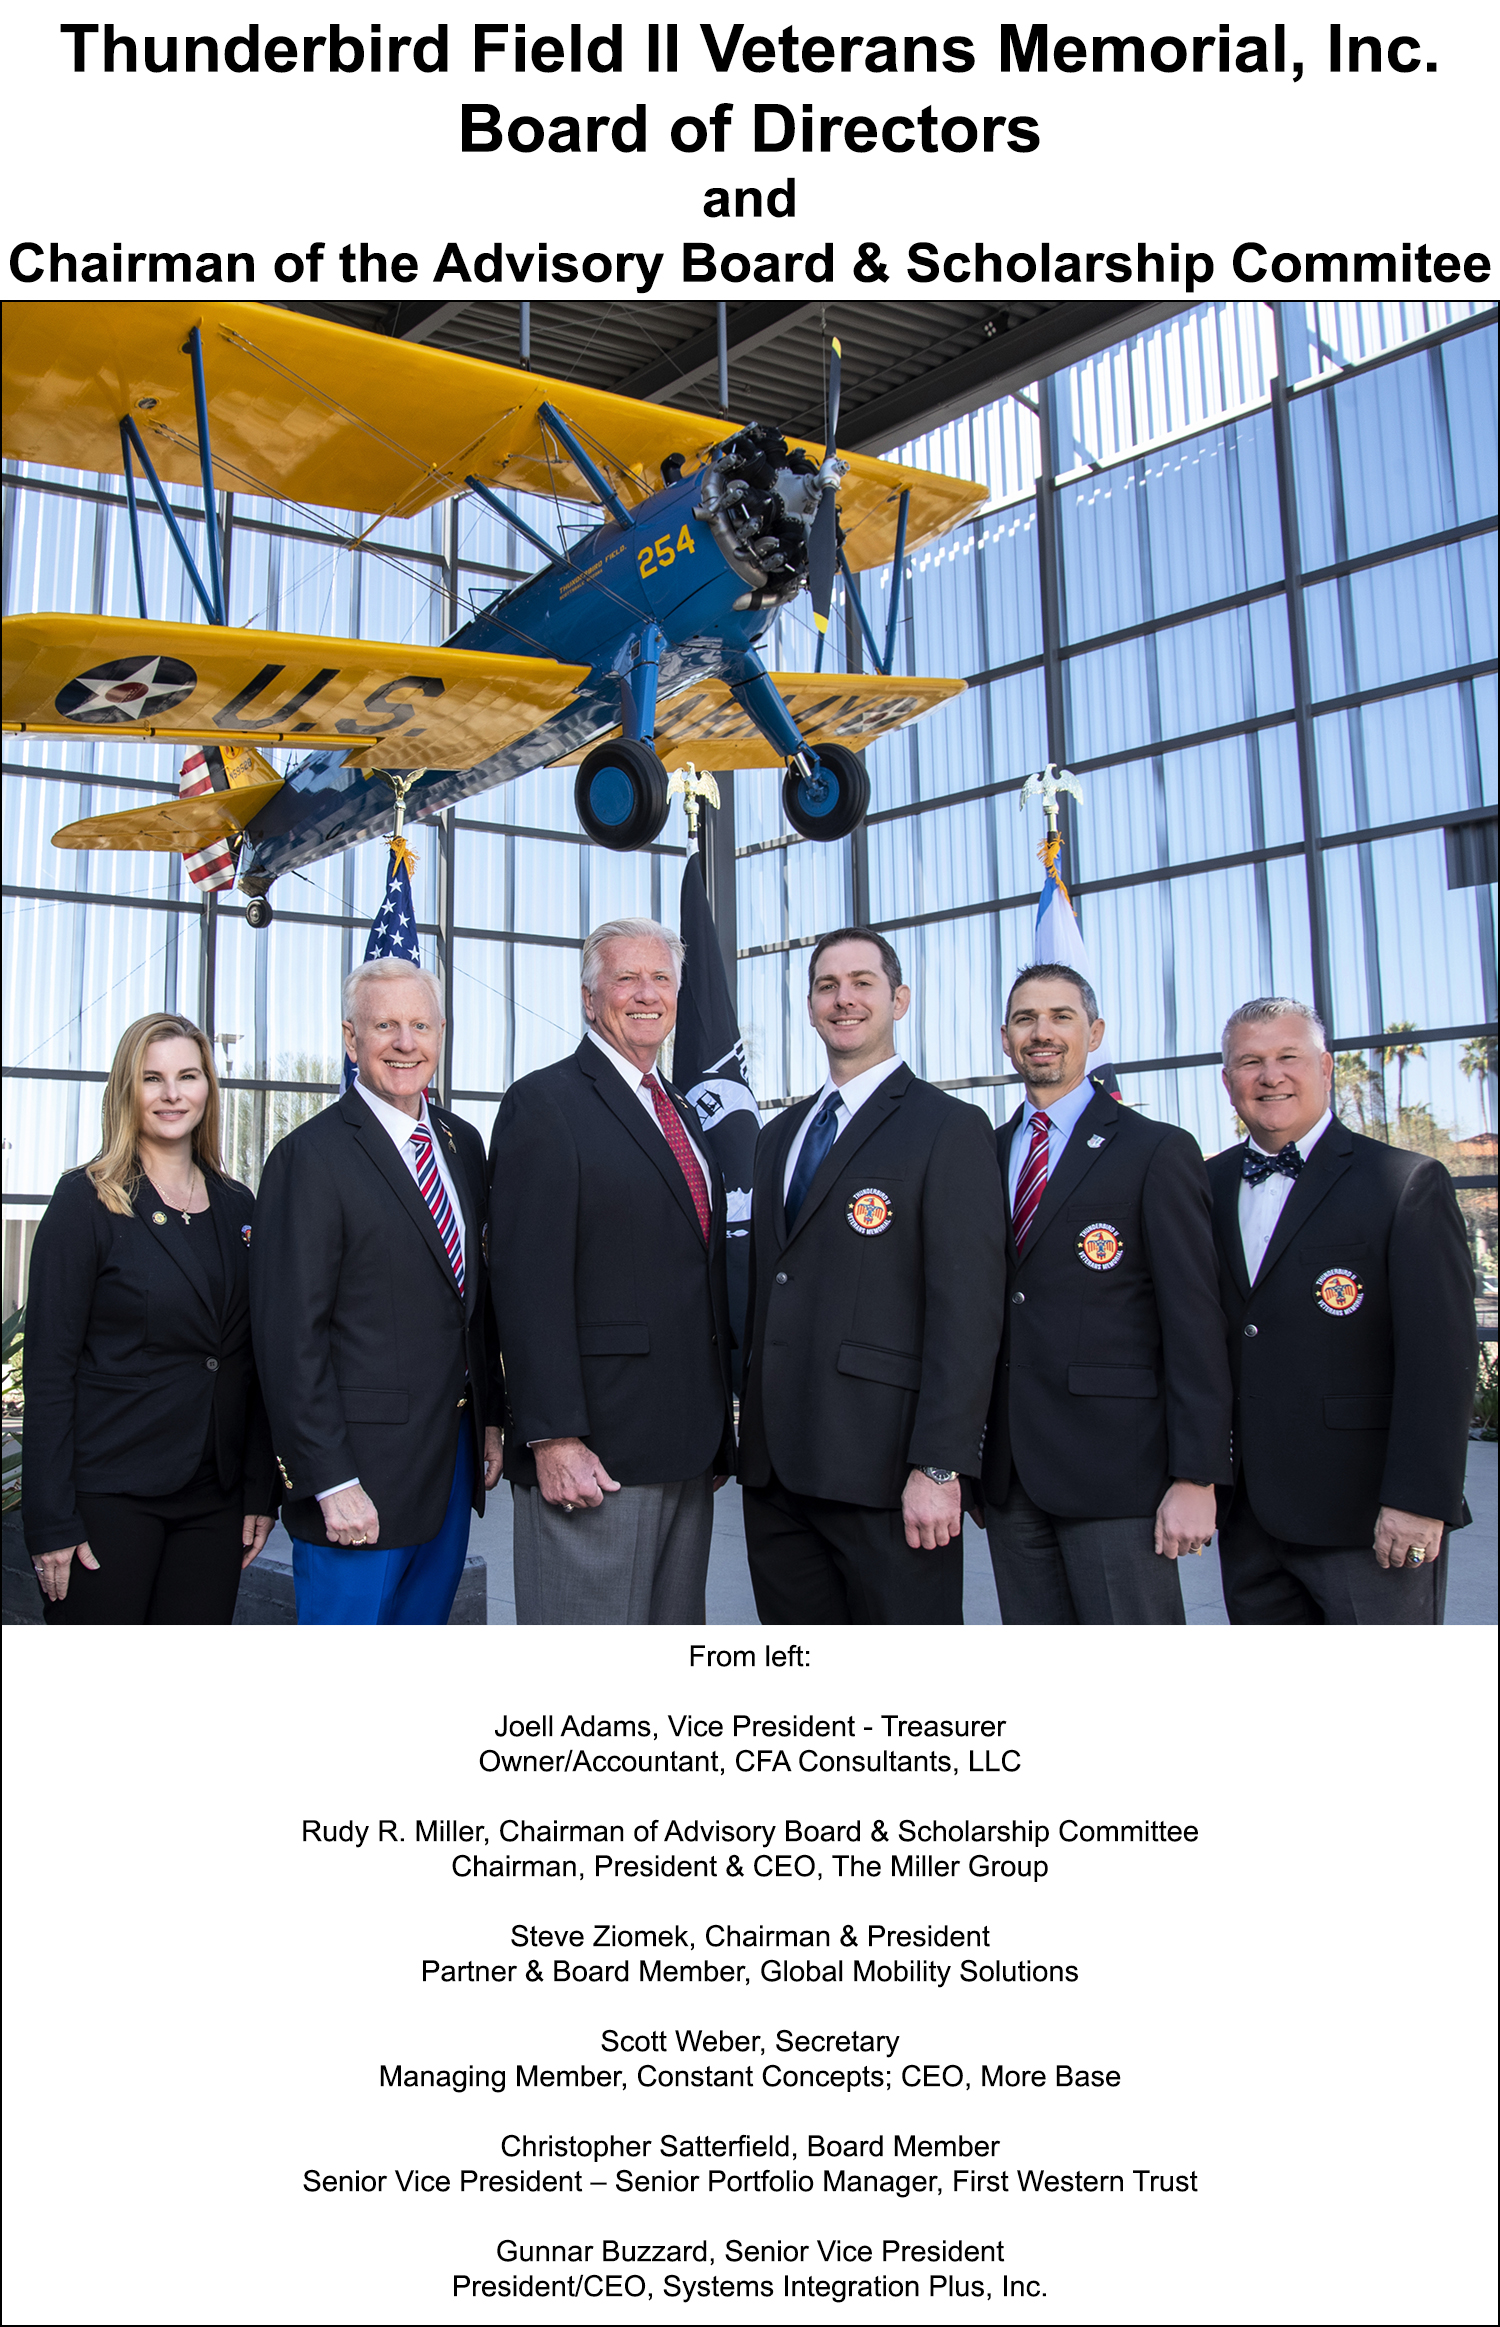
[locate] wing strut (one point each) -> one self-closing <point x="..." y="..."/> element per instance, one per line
<point x="553" y="555"/>
<point x="553" y="419"/>
<point x="210" y="594"/>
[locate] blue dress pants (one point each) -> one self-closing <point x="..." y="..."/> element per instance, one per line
<point x="410" y="1583"/>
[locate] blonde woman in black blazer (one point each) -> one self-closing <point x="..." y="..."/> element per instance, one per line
<point x="148" y="1476"/>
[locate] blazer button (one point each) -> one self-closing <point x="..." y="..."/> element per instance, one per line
<point x="1017" y="1300"/>
<point x="1251" y="1331"/>
<point x="781" y="1280"/>
<point x="212" y="1364"/>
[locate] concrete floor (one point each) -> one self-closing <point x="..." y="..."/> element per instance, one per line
<point x="1471" y="1579"/>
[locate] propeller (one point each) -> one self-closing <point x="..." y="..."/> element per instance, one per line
<point x="823" y="543"/>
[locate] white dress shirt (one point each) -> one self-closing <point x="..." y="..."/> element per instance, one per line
<point x="637" y="1081"/>
<point x="1260" y="1208"/>
<point x="852" y="1096"/>
<point x="399" y="1128"/>
<point x="1062" y="1115"/>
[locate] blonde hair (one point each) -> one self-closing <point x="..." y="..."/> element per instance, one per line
<point x="116" y="1169"/>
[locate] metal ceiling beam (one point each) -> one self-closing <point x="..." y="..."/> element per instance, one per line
<point x="750" y="326"/>
<point x="1061" y="335"/>
<point x="422" y="318"/>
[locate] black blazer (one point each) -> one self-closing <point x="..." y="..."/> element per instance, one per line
<point x="1112" y="1379"/>
<point x="372" y="1362"/>
<point x="1352" y="1390"/>
<point x="134" y="1367"/>
<point x="613" y="1315"/>
<point x="874" y="1324"/>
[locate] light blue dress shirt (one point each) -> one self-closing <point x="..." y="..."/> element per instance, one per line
<point x="1062" y="1115"/>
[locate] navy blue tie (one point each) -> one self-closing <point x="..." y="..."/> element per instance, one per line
<point x="821" y="1134"/>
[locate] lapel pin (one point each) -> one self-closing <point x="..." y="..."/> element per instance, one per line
<point x="159" y="1219"/>
<point x="1097" y="1140"/>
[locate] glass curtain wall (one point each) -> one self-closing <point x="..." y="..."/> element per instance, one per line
<point x="1237" y="572"/>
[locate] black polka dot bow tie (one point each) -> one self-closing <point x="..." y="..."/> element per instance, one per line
<point x="1257" y="1167"/>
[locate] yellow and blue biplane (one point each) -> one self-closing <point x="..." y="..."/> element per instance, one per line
<point x="628" y="653"/>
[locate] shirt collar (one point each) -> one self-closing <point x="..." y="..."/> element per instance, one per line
<point x="859" y="1087"/>
<point x="1063" y="1113"/>
<point x="633" y="1074"/>
<point x="1306" y="1143"/>
<point x="391" y="1120"/>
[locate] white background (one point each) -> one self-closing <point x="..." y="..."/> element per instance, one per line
<point x="274" y="163"/>
<point x="1298" y="2004"/>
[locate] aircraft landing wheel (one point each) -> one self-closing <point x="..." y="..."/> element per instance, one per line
<point x="621" y="795"/>
<point x="830" y="806"/>
<point x="258" y="914"/>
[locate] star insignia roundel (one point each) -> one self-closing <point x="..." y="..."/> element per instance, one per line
<point x="138" y="688"/>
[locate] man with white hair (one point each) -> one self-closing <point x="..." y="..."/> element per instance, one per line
<point x="1345" y="1275"/>
<point x="607" y="1268"/>
<point x="370" y="1312"/>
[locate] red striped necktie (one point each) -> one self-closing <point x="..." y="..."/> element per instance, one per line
<point x="677" y="1140"/>
<point x="1033" y="1181"/>
<point x="430" y="1181"/>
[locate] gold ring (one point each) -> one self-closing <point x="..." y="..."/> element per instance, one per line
<point x="1416" y="1553"/>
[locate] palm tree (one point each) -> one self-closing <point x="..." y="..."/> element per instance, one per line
<point x="1478" y="1058"/>
<point x="1356" y="1089"/>
<point x="1401" y="1052"/>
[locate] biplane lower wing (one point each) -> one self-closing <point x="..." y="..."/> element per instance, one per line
<point x="383" y="705"/>
<point x="706" y="725"/>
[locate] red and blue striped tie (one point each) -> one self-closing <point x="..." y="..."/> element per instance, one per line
<point x="1033" y="1181"/>
<point x="430" y="1181"/>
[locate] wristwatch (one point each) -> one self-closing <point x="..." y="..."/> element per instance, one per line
<point x="938" y="1478"/>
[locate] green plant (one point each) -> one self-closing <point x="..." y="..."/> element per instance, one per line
<point x="12" y="1342"/>
<point x="1487" y="1395"/>
<point x="1399" y="1052"/>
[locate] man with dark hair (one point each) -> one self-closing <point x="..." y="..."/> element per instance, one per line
<point x="1109" y="1425"/>
<point x="1345" y="1272"/>
<point x="877" y="1271"/>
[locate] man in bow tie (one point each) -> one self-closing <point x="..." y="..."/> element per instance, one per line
<point x="1345" y="1275"/>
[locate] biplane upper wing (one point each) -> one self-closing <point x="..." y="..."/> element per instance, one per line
<point x="386" y="706"/>
<point x="707" y="726"/>
<point x="318" y="412"/>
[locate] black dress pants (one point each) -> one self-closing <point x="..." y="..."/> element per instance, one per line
<point x="1267" y="1581"/>
<point x="817" y="1562"/>
<point x="163" y="1559"/>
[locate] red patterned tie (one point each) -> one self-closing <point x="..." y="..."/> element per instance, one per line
<point x="430" y="1181"/>
<point x="1033" y="1180"/>
<point x="677" y="1140"/>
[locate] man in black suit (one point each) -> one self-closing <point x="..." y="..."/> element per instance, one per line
<point x="607" y="1262"/>
<point x="1350" y="1296"/>
<point x="877" y="1272"/>
<point x="1109" y="1424"/>
<point x="370" y="1312"/>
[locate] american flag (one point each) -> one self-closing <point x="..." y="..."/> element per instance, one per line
<point x="394" y="928"/>
<point x="211" y="867"/>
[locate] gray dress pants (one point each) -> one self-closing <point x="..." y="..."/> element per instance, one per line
<point x="1079" y="1571"/>
<point x="640" y="1558"/>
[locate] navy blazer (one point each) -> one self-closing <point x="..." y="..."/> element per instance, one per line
<point x="1113" y="1379"/>
<point x="371" y="1358"/>
<point x="136" y="1364"/>
<point x="1355" y="1350"/>
<point x="613" y="1314"/>
<point x="874" y="1323"/>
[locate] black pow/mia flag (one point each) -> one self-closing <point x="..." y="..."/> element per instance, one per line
<point x="708" y="1067"/>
